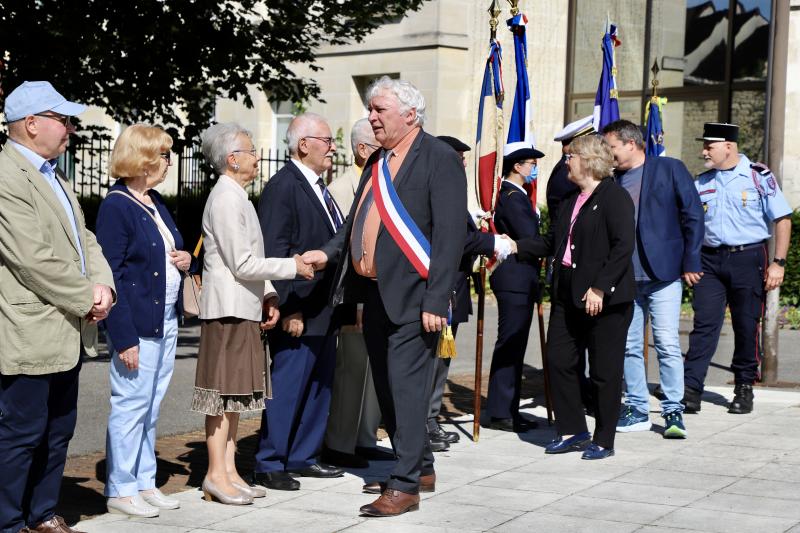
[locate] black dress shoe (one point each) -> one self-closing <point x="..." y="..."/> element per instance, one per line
<point x="742" y="400"/>
<point x="691" y="400"/>
<point x="438" y="445"/>
<point x="346" y="460"/>
<point x="375" y="454"/>
<point x="319" y="470"/>
<point x="519" y="425"/>
<point x="450" y="437"/>
<point x="276" y="481"/>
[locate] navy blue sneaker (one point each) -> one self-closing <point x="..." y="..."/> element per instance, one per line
<point x="673" y="426"/>
<point x="631" y="419"/>
<point x="594" y="452"/>
<point x="575" y="443"/>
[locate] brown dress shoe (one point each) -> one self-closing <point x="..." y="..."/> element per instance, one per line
<point x="54" y="525"/>
<point x="391" y="503"/>
<point x="426" y="484"/>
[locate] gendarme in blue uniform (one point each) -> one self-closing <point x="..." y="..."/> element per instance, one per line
<point x="739" y="204"/>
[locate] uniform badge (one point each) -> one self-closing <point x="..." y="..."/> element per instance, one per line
<point x="771" y="183"/>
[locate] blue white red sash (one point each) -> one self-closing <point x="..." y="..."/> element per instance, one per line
<point x="394" y="216"/>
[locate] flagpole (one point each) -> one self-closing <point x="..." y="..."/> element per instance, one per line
<point x="494" y="14"/>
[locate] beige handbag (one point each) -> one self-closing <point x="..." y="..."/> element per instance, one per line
<point x="192" y="287"/>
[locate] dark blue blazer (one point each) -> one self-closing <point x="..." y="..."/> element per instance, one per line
<point x="670" y="225"/>
<point x="293" y="221"/>
<point x="476" y="243"/>
<point x="514" y="216"/>
<point x="134" y="249"/>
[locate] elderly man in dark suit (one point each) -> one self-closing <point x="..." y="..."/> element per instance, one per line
<point x="405" y="277"/>
<point x="297" y="213"/>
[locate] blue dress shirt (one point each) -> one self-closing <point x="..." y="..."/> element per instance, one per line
<point x="739" y="204"/>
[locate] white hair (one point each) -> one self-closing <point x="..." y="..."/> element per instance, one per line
<point x="409" y="96"/>
<point x="219" y="141"/>
<point x="302" y="126"/>
<point x="361" y="133"/>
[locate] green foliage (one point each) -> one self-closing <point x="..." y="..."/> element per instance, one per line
<point x="169" y="62"/>
<point x="790" y="290"/>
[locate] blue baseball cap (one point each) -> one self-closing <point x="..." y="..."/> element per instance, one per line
<point x="34" y="97"/>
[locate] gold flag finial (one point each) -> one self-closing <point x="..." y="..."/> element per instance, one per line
<point x="654" y="82"/>
<point x="494" y="15"/>
<point x="514" y="7"/>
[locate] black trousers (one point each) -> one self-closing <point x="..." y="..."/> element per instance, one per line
<point x="402" y="357"/>
<point x="735" y="279"/>
<point x="439" y="381"/>
<point x="37" y="420"/>
<point x="514" y="317"/>
<point x="570" y="334"/>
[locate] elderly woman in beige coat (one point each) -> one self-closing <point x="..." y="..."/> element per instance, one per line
<point x="236" y="301"/>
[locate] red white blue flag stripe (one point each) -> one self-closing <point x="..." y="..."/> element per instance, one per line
<point x="606" y="105"/>
<point x="490" y="108"/>
<point x="404" y="231"/>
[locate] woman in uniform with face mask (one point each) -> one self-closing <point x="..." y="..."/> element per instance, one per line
<point x="516" y="287"/>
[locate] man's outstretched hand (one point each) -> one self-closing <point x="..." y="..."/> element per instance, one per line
<point x="316" y="258"/>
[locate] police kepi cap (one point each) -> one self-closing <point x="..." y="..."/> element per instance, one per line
<point x="717" y="131"/>
<point x="34" y="97"/>
<point x="454" y="143"/>
<point x="582" y="126"/>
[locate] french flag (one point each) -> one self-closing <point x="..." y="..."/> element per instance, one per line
<point x="490" y="115"/>
<point x="519" y="128"/>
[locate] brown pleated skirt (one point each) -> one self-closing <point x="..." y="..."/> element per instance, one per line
<point x="232" y="368"/>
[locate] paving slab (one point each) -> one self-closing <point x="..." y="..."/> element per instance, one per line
<point x="706" y="483"/>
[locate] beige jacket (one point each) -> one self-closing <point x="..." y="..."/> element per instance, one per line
<point x="43" y="295"/>
<point x="235" y="272"/>
<point x="343" y="189"/>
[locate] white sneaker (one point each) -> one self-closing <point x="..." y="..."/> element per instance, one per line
<point x="136" y="507"/>
<point x="156" y="498"/>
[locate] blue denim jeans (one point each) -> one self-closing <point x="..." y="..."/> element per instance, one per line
<point x="662" y="301"/>
<point x="135" y="401"/>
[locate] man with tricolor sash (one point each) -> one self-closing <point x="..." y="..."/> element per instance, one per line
<point x="398" y="253"/>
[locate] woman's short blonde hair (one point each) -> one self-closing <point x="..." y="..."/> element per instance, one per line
<point x="595" y="154"/>
<point x="138" y="150"/>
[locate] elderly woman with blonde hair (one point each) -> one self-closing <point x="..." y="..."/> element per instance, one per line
<point x="143" y="248"/>
<point x="591" y="243"/>
<point x="232" y="372"/>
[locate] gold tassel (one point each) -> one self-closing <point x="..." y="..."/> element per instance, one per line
<point x="446" y="348"/>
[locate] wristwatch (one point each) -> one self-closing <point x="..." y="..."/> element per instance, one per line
<point x="779" y="262"/>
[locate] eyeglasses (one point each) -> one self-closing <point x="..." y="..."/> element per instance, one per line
<point x="326" y="140"/>
<point x="567" y="157"/>
<point x="167" y="156"/>
<point x="252" y="152"/>
<point x="373" y="146"/>
<point x="65" y="120"/>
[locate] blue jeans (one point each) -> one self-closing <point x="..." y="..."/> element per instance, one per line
<point x="135" y="402"/>
<point x="662" y="301"/>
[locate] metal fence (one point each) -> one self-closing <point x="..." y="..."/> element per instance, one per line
<point x="85" y="164"/>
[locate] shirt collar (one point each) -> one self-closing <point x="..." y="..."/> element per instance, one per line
<point x="309" y="174"/>
<point x="520" y="187"/>
<point x="35" y="159"/>
<point x="401" y="148"/>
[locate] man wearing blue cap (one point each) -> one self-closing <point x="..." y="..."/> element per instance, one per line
<point x="741" y="200"/>
<point x="55" y="285"/>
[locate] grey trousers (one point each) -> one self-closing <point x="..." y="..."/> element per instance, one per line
<point x="354" y="414"/>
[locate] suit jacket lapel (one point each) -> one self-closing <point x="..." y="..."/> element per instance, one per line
<point x="647" y="177"/>
<point x="408" y="162"/>
<point x="46" y="191"/>
<point x="312" y="196"/>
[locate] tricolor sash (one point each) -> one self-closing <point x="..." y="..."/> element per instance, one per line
<point x="395" y="218"/>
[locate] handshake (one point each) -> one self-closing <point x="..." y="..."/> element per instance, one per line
<point x="504" y="246"/>
<point x="310" y="262"/>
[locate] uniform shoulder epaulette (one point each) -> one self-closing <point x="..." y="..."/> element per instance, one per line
<point x="761" y="168"/>
<point x="701" y="174"/>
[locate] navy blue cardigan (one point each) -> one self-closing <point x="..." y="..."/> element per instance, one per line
<point x="134" y="249"/>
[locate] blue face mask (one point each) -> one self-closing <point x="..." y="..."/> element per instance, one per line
<point x="530" y="178"/>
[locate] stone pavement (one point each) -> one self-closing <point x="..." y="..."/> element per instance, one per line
<point x="733" y="474"/>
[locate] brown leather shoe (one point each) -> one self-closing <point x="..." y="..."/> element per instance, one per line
<point x="54" y="525"/>
<point x="391" y="503"/>
<point x="426" y="484"/>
